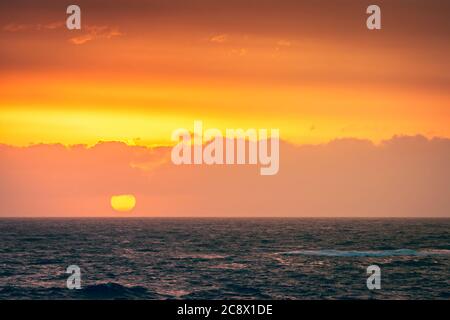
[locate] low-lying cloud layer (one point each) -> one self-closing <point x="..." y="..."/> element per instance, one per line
<point x="403" y="176"/>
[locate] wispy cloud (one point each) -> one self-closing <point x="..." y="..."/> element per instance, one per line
<point x="219" y="38"/>
<point x="284" y="43"/>
<point x="19" y="27"/>
<point x="239" y="52"/>
<point x="86" y="34"/>
<point x="96" y="32"/>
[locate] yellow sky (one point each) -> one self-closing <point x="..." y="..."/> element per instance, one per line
<point x="135" y="78"/>
<point x="74" y="112"/>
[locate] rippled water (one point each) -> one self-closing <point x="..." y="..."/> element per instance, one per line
<point x="224" y="258"/>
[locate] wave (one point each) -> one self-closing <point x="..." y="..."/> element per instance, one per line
<point x="229" y="266"/>
<point x="100" y="291"/>
<point x="112" y="290"/>
<point x="369" y="253"/>
<point x="171" y="294"/>
<point x="203" y="256"/>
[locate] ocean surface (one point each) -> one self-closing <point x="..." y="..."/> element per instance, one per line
<point x="225" y="258"/>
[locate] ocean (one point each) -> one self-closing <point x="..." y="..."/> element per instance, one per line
<point x="215" y="258"/>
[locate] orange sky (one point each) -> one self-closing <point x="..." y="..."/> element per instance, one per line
<point x="402" y="177"/>
<point x="140" y="69"/>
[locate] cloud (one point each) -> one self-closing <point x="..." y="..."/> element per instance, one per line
<point x="16" y="27"/>
<point x="88" y="32"/>
<point x="403" y="176"/>
<point x="96" y="32"/>
<point x="284" y="43"/>
<point x="13" y="27"/>
<point x="220" y="38"/>
<point x="239" y="52"/>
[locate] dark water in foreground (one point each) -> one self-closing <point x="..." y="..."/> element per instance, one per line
<point x="224" y="258"/>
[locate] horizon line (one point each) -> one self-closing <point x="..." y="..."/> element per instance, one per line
<point x="219" y="217"/>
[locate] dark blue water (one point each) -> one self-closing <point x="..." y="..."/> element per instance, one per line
<point x="224" y="258"/>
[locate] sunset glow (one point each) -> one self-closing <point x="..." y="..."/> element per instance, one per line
<point x="344" y="98"/>
<point x="137" y="80"/>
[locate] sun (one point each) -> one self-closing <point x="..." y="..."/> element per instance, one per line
<point x="123" y="202"/>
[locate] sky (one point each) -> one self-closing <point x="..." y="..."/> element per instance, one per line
<point x="401" y="177"/>
<point x="137" y="70"/>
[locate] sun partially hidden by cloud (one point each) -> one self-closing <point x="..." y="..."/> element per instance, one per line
<point x="123" y="203"/>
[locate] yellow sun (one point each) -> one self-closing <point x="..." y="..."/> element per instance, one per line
<point x="123" y="202"/>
